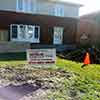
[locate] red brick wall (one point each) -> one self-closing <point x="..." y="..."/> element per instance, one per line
<point x="91" y="28"/>
<point x="46" y="23"/>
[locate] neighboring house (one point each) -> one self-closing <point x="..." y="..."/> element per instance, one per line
<point x="89" y="25"/>
<point x="28" y="23"/>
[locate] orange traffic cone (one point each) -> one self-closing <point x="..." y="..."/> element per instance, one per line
<point x="87" y="59"/>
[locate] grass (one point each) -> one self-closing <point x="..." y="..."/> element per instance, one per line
<point x="12" y="63"/>
<point x="87" y="80"/>
<point x="92" y="70"/>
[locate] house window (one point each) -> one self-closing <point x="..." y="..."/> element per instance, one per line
<point x="57" y="10"/>
<point x="20" y="5"/>
<point x="37" y="31"/>
<point x="24" y="5"/>
<point x="30" y="32"/>
<point x="22" y="32"/>
<point x="58" y="35"/>
<point x="28" y="5"/>
<point x="25" y="33"/>
<point x="14" y="30"/>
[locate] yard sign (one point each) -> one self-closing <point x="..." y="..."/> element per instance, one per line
<point x="41" y="56"/>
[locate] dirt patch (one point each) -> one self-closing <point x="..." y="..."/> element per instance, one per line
<point x="24" y="82"/>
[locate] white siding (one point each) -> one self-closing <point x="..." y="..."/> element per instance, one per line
<point x="42" y="7"/>
<point x="71" y="11"/>
<point x="8" y="5"/>
<point x="48" y="8"/>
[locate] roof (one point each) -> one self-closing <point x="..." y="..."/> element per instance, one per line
<point x="91" y="15"/>
<point x="66" y="2"/>
<point x="94" y="16"/>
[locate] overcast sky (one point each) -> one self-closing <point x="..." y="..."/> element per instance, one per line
<point x="89" y="5"/>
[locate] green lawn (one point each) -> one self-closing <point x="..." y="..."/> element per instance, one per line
<point x="92" y="70"/>
<point x="12" y="63"/>
<point x="87" y="80"/>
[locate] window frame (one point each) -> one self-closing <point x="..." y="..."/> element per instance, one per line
<point x="59" y="10"/>
<point x="60" y="32"/>
<point x="17" y="6"/>
<point x="38" y="31"/>
<point x="18" y="39"/>
<point x="13" y="39"/>
<point x="19" y="32"/>
<point x="26" y="6"/>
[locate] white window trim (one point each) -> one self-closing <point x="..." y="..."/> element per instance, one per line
<point x="54" y="40"/>
<point x="33" y="40"/>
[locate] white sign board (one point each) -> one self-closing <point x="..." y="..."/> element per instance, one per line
<point x="41" y="56"/>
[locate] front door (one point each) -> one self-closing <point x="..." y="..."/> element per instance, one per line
<point x="58" y="35"/>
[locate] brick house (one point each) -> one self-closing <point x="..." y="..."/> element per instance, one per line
<point x="35" y="23"/>
<point x="90" y="26"/>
